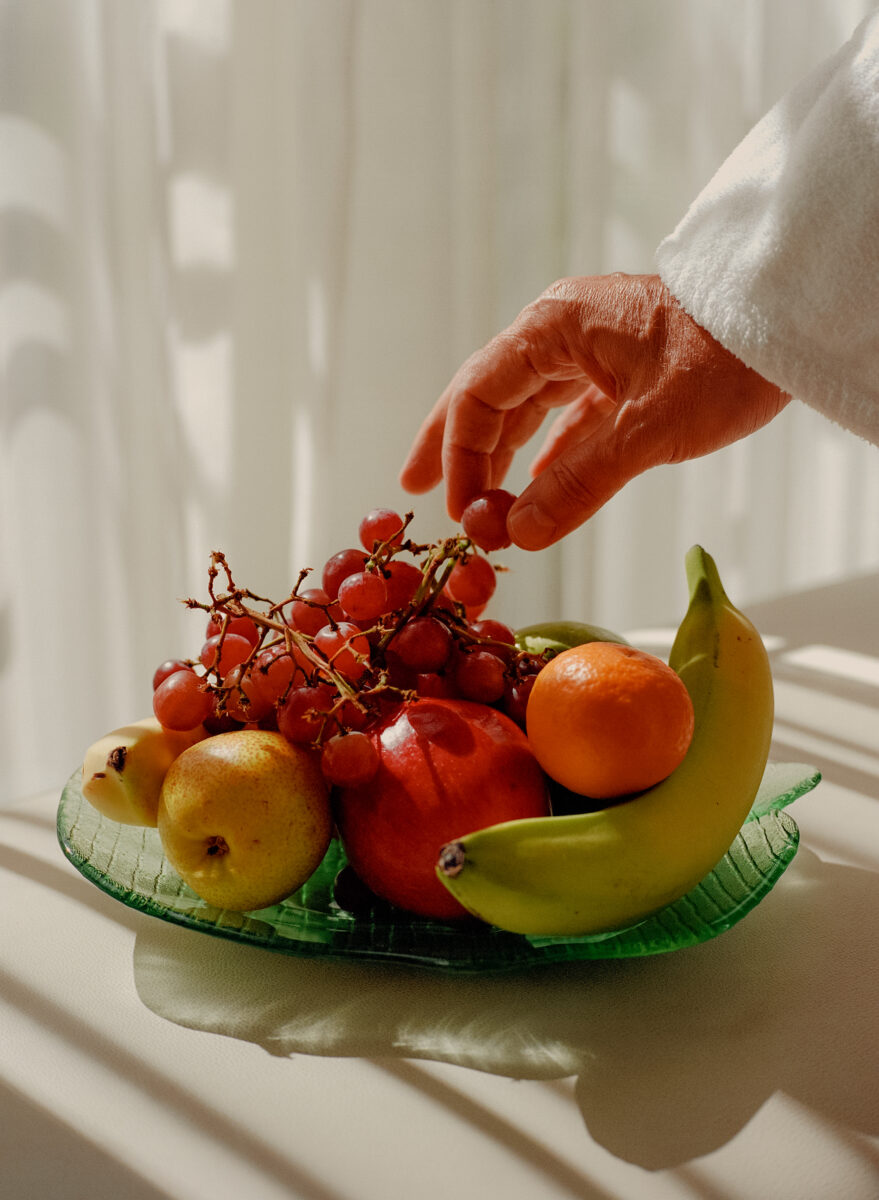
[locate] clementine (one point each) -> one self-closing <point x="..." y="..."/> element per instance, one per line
<point x="606" y="720"/>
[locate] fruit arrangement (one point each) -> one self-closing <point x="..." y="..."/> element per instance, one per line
<point x="554" y="780"/>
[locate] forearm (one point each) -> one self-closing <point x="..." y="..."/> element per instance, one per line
<point x="778" y="257"/>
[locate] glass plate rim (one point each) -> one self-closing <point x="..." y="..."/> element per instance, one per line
<point x="504" y="951"/>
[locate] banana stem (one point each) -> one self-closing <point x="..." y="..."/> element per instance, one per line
<point x="703" y="578"/>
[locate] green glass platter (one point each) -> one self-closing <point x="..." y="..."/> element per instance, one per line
<point x="127" y="863"/>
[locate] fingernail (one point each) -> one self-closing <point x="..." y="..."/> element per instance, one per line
<point x="530" y="527"/>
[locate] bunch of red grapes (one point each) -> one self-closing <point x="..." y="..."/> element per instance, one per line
<point x="391" y="620"/>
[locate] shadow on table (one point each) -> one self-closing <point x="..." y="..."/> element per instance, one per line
<point x="39" y="1152"/>
<point x="672" y="1054"/>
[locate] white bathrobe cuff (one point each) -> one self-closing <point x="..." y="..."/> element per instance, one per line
<point x="778" y="257"/>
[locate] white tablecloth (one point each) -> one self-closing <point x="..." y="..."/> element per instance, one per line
<point x="139" y="1060"/>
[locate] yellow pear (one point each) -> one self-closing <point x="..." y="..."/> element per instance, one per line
<point x="244" y="818"/>
<point x="122" y="772"/>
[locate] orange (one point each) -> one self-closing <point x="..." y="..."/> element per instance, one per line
<point x="606" y="720"/>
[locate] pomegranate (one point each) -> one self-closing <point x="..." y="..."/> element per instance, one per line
<point x="446" y="768"/>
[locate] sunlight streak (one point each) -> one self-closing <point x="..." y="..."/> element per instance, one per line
<point x="126" y="1088"/>
<point x="201" y="223"/>
<point x="825" y="715"/>
<point x="205" y="403"/>
<point x="318" y="351"/>
<point x="37" y="184"/>
<point x="849" y="665"/>
<point x="303" y="486"/>
<point x="30" y="314"/>
<point x="205" y="23"/>
<point x="563" y="1177"/>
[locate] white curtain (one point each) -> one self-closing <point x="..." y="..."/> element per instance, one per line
<point x="244" y="244"/>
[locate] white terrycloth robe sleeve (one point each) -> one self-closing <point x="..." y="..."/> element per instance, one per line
<point x="778" y="257"/>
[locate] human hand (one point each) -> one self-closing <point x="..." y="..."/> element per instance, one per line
<point x="640" y="384"/>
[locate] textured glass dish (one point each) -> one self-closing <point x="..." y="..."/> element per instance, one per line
<point x="127" y="862"/>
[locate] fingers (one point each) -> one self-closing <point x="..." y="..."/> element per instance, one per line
<point x="520" y="424"/>
<point x="423" y="468"/>
<point x="511" y="373"/>
<point x="578" y="421"/>
<point x="573" y="486"/>
<point x="499" y="380"/>
<point x="486" y="425"/>
<point x="470" y="436"/>
<point x="510" y="429"/>
<point x="465" y="428"/>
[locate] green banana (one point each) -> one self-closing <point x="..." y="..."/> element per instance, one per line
<point x="595" y="872"/>
<point x="122" y="772"/>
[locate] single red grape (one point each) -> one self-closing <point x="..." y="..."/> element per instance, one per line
<point x="181" y="702"/>
<point x="310" y="611"/>
<point x="244" y="700"/>
<point x="363" y="595"/>
<point x="380" y="525"/>
<point x="168" y="667"/>
<point x="402" y="580"/>
<point x="348" y="759"/>
<point x="345" y="648"/>
<point x="503" y="638"/>
<point x="339" y="567"/>
<point x="433" y="685"/>
<point x="217" y="722"/>
<point x="303" y="715"/>
<point x="350" y="716"/>
<point x="531" y="664"/>
<point x="273" y="670"/>
<point x="424" y="644"/>
<point x="480" y="676"/>
<point x="240" y="626"/>
<point x="485" y="519"/>
<point x="516" y="698"/>
<point x="471" y="581"/>
<point x="233" y="651"/>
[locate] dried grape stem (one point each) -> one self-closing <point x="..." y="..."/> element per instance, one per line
<point x="231" y="605"/>
<point x="435" y="561"/>
<point x="446" y="555"/>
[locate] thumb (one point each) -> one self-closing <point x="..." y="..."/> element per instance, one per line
<point x="569" y="491"/>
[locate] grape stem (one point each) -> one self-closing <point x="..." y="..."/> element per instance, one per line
<point x="227" y="601"/>
<point x="231" y="604"/>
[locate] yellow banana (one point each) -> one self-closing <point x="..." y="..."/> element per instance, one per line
<point x="595" y="872"/>
<point x="122" y="772"/>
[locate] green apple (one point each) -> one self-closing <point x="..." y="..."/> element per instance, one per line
<point x="555" y="636"/>
<point x="122" y="772"/>
<point x="244" y="818"/>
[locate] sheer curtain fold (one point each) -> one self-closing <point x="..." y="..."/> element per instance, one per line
<point x="245" y="243"/>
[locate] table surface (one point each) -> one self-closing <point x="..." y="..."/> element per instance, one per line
<point x="142" y="1060"/>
